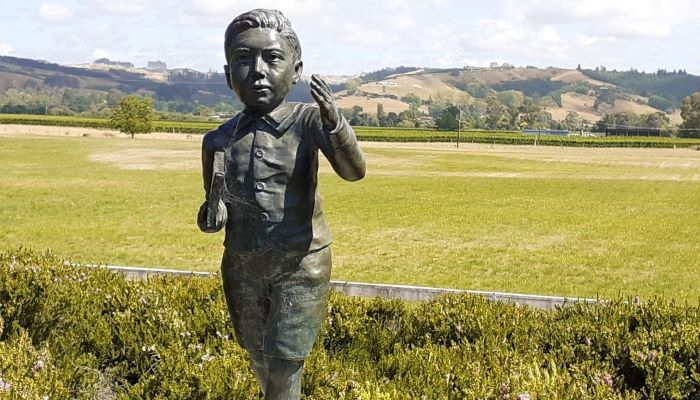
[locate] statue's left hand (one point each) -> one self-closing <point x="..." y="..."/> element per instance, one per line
<point x="323" y="95"/>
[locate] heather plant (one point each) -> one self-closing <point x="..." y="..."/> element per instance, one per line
<point x="85" y="333"/>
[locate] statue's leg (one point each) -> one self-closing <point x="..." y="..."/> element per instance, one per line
<point x="248" y="304"/>
<point x="260" y="366"/>
<point x="284" y="379"/>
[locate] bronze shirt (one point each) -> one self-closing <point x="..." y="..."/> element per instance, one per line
<point x="271" y="167"/>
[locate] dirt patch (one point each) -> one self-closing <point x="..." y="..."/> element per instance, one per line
<point x="38" y="130"/>
<point x="633" y="163"/>
<point x="422" y="85"/>
<point x="648" y="164"/>
<point x="150" y="159"/>
<point x="633" y="107"/>
<point x="369" y="105"/>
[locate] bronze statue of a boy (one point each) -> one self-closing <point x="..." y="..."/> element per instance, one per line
<point x="260" y="178"/>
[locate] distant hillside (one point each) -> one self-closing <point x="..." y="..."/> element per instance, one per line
<point x="665" y="88"/>
<point x="178" y="86"/>
<point x="589" y="93"/>
<point x="91" y="88"/>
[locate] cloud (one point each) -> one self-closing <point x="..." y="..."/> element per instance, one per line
<point x="5" y="49"/>
<point x="231" y="8"/>
<point x="50" y="12"/>
<point x="632" y="19"/>
<point x="100" y="53"/>
<point x="123" y="7"/>
<point x="354" y="33"/>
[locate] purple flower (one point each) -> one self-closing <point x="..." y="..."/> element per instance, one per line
<point x="5" y="385"/>
<point x="523" y="396"/>
<point x="504" y="389"/>
<point x="38" y="366"/>
<point x="652" y="355"/>
<point x="608" y="380"/>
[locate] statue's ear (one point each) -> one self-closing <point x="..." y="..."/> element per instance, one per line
<point x="227" y="72"/>
<point x="298" y="68"/>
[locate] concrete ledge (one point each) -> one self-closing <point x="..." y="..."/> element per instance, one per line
<point x="419" y="293"/>
<point x="414" y="293"/>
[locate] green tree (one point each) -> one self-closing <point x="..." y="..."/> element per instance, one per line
<point x="690" y="112"/>
<point x="134" y="115"/>
<point x="655" y="120"/>
<point x="447" y="121"/>
<point x="572" y="121"/>
<point x="497" y="116"/>
<point x="352" y="85"/>
<point x="412" y="100"/>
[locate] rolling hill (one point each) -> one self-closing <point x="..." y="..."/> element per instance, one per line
<point x="590" y="93"/>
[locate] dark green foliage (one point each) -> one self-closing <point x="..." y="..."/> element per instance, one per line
<point x="384" y="73"/>
<point x="669" y="85"/>
<point x="661" y="103"/>
<point x="531" y="87"/>
<point x="100" y="336"/>
<point x="448" y="119"/>
<point x="690" y="111"/>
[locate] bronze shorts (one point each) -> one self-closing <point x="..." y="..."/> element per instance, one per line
<point x="277" y="301"/>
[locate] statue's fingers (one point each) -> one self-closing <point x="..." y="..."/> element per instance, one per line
<point x="327" y="86"/>
<point x="318" y="85"/>
<point x="320" y="99"/>
<point x="322" y="83"/>
<point x="321" y="94"/>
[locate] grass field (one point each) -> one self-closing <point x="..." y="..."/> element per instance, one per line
<point x="559" y="221"/>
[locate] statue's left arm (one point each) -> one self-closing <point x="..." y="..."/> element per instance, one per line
<point x="337" y="139"/>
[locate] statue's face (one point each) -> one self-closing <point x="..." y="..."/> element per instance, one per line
<point x="261" y="68"/>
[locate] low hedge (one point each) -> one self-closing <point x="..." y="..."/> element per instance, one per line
<point x="84" y="333"/>
<point x="377" y="134"/>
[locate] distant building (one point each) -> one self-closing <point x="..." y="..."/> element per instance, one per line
<point x="632" y="131"/>
<point x="157" y="66"/>
<point x="107" y="61"/>
<point x="558" y="132"/>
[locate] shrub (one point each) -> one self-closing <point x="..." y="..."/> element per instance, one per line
<point x="98" y="335"/>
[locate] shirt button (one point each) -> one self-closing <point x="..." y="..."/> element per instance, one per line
<point x="259" y="186"/>
<point x="259" y="153"/>
<point x="264" y="217"/>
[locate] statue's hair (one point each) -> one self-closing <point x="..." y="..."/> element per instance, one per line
<point x="263" y="18"/>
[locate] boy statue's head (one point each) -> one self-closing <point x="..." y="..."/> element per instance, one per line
<point x="263" y="59"/>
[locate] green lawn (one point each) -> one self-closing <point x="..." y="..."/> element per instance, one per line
<point x="569" y="222"/>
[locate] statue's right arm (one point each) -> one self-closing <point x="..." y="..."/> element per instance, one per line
<point x="210" y="144"/>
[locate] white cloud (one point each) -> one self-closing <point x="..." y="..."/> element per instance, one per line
<point x="355" y="33"/>
<point x="368" y="35"/>
<point x="5" y="49"/>
<point x="632" y="19"/>
<point x="400" y="21"/>
<point x="122" y="7"/>
<point x="50" y="12"/>
<point x="231" y="8"/>
<point x="100" y="53"/>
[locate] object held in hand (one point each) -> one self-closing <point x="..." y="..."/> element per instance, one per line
<point x="216" y="192"/>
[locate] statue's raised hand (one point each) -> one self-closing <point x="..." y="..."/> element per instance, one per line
<point x="323" y="95"/>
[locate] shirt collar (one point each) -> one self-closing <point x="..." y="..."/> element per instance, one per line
<point x="279" y="119"/>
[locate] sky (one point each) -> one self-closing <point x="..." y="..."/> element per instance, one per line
<point x="341" y="37"/>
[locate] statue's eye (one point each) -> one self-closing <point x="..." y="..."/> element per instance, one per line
<point x="274" y="57"/>
<point x="241" y="55"/>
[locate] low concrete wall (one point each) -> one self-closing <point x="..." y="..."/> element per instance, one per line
<point x="416" y="293"/>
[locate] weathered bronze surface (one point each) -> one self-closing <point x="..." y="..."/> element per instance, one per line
<point x="260" y="181"/>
